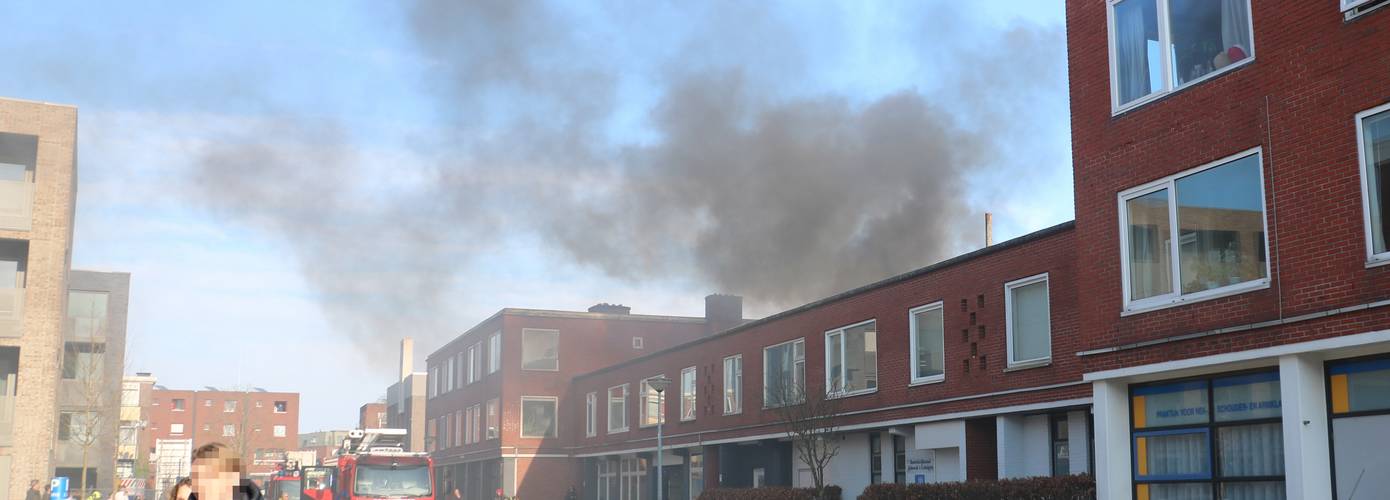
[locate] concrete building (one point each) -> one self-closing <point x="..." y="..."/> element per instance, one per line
<point x="133" y="448"/>
<point x="259" y="424"/>
<point x="38" y="178"/>
<point x="405" y="399"/>
<point x="90" y="388"/>
<point x="372" y="416"/>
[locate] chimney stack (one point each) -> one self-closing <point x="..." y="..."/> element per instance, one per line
<point x="606" y="308"/>
<point x="407" y="360"/>
<point x="722" y="312"/>
<point x="989" y="229"/>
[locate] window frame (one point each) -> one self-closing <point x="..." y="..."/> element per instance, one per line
<point x="609" y="407"/>
<point x="1009" y="321"/>
<point x="736" y="384"/>
<point x="475" y="360"/>
<point x="551" y="331"/>
<point x="281" y="406"/>
<point x="1165" y="39"/>
<point x="591" y="414"/>
<point x="172" y="428"/>
<point x="492" y="427"/>
<point x="693" y="398"/>
<point x="792" y="343"/>
<point x="912" y="343"/>
<point x="521" y="422"/>
<point x="1176" y="297"/>
<point x="642" y="403"/>
<point x="279" y="430"/>
<point x="1373" y="259"/>
<point x="842" y="332"/>
<point x="494" y="352"/>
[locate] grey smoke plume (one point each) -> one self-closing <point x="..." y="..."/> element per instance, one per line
<point x="737" y="184"/>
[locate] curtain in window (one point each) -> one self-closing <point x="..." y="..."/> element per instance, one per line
<point x="1031" y="323"/>
<point x="1252" y="450"/>
<point x="1178" y="454"/>
<point x="1131" y="50"/>
<point x="1235" y="27"/>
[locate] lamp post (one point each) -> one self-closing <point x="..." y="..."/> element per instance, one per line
<point x="659" y="384"/>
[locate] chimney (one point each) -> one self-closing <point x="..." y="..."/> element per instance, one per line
<point x="722" y="312"/>
<point x="606" y="308"/>
<point x="407" y="361"/>
<point x="989" y="229"/>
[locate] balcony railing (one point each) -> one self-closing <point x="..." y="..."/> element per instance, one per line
<point x="7" y="412"/>
<point x="16" y="205"/>
<point x="11" y="312"/>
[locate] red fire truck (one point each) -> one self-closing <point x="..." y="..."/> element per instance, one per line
<point x="371" y="464"/>
<point x="285" y="481"/>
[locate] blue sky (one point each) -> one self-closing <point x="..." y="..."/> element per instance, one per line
<point x="225" y="289"/>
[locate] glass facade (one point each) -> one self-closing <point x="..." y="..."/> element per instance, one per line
<point x="1358" y="394"/>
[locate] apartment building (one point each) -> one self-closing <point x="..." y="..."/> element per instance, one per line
<point x="132" y="446"/>
<point x="405" y="399"/>
<point x="90" y="382"/>
<point x="259" y="424"/>
<point x="38" y="177"/>
<point x="497" y="392"/>
<point x="372" y="416"/>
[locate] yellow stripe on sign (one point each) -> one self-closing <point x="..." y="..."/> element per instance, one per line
<point x="1139" y="413"/>
<point x="1341" y="400"/>
<point x="1143" y="492"/>
<point x="1141" y="453"/>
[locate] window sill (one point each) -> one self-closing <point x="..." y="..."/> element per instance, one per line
<point x="846" y="395"/>
<point x="1213" y="294"/>
<point x="1028" y="365"/>
<point x="1377" y="260"/>
<point x="732" y="413"/>
<point x="691" y="419"/>
<point x="617" y="431"/>
<point x="1158" y="96"/>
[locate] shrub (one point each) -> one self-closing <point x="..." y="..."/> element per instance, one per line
<point x="1079" y="487"/>
<point x="770" y="493"/>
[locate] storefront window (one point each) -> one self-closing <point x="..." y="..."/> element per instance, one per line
<point x="875" y="459"/>
<point x="1209" y="438"/>
<point x="1358" y="394"/>
<point x="1061" y="451"/>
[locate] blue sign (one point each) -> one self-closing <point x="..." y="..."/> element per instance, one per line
<point x="920" y="479"/>
<point x="60" y="489"/>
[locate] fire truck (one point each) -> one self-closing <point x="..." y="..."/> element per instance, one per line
<point x="371" y="464"/>
<point x="284" y="482"/>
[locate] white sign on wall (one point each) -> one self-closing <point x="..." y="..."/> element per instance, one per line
<point x="921" y="466"/>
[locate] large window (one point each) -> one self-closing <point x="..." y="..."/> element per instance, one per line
<point x="494" y="352"/>
<point x="475" y="362"/>
<point x="1373" y="132"/>
<point x="540" y="350"/>
<point x="1029" y="321"/>
<point x="83" y="361"/>
<point x="491" y="419"/>
<point x="1158" y="46"/>
<point x="688" y="400"/>
<point x="591" y="414"/>
<point x="784" y="374"/>
<point x="1359" y="399"/>
<point x="851" y="359"/>
<point x="1211" y="218"/>
<point x="1208" y="438"/>
<point x="653" y="405"/>
<point x="617" y="409"/>
<point x="450" y="374"/>
<point x="87" y="314"/>
<point x="927" y="324"/>
<point x="733" y="384"/>
<point x="538" y="417"/>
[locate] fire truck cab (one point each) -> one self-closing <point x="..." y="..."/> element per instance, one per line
<point x="371" y="464"/>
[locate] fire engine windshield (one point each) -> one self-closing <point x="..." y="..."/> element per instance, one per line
<point x="382" y="480"/>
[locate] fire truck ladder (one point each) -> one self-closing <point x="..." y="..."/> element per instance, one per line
<point x="374" y="441"/>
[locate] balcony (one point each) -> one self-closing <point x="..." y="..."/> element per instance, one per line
<point x="7" y="412"/>
<point x="11" y="312"/>
<point x="16" y="205"/>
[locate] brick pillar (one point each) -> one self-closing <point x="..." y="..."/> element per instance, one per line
<point x="711" y="466"/>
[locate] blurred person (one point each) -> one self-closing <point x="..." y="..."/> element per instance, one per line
<point x="454" y="494"/>
<point x="120" y="494"/>
<point x="181" y="489"/>
<point x="94" y="495"/>
<point x="34" y="492"/>
<point x="217" y="475"/>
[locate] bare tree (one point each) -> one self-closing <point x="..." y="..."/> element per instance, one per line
<point x="85" y="362"/>
<point x="243" y="438"/>
<point x="811" y="420"/>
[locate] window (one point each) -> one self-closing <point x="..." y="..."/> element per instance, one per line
<point x="851" y="359"/>
<point x="784" y="374"/>
<point x="653" y="404"/>
<point x="697" y="474"/>
<point x="279" y="431"/>
<point x="538" y="417"/>
<point x="207" y="403"/>
<point x="1029" y="321"/>
<point x="617" y="409"/>
<point x="494" y="352"/>
<point x="176" y="428"/>
<point x="928" y="339"/>
<point x="1208" y="438"/>
<point x="432" y="434"/>
<point x="899" y="459"/>
<point x="637" y="342"/>
<point x="87" y="314"/>
<point x="591" y="414"/>
<point x="449" y="375"/>
<point x="688" y="393"/>
<point x="475" y="357"/>
<point x="281" y="406"/>
<point x="540" y="350"/>
<point x="76" y="426"/>
<point x="83" y="360"/>
<point x="478" y="423"/>
<point x="733" y="384"/>
<point x="1211" y="218"/>
<point x="207" y="427"/>
<point x="492" y="418"/>
<point x="229" y="406"/>
<point x="1373" y="135"/>
<point x="1158" y="46"/>
<point x="759" y="477"/>
<point x="472" y="353"/>
<point x="434" y="381"/>
<point x="180" y="404"/>
<point x="228" y="430"/>
<point x="260" y="404"/>
<point x="463" y="427"/>
<point x="875" y="458"/>
<point x="1061" y="445"/>
<point x="1358" y="393"/>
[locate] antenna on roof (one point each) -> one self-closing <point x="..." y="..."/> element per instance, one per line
<point x="989" y="229"/>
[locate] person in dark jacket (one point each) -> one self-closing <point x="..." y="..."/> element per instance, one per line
<point x="34" y="493"/>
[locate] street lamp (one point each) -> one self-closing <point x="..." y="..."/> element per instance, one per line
<point x="659" y="384"/>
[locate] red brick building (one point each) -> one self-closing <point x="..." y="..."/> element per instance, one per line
<point x="261" y="425"/>
<point x="372" y="416"/>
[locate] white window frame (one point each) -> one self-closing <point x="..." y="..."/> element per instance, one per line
<point x="591" y="414"/>
<point x="1352" y="4"/>
<point x="176" y="428"/>
<point x="521" y="422"/>
<point x="841" y="333"/>
<point x="1009" y="321"/>
<point x="449" y="374"/>
<point x="791" y="342"/>
<point x="694" y="395"/>
<point x="736" y="384"/>
<point x="637" y="343"/>
<point x="912" y="343"/>
<point x="1372" y="258"/>
<point x="475" y="361"/>
<point x="608" y="409"/>
<point x="494" y="416"/>
<point x="228" y="430"/>
<point x="279" y="431"/>
<point x="642" y="402"/>
<point x="461" y="375"/>
<point x="552" y="331"/>
<point x="477" y="428"/>
<point x="494" y="352"/>
<point x="1176" y="297"/>
<point x="1164" y="40"/>
<point x="434" y="381"/>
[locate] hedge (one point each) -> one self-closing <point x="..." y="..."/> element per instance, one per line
<point x="1078" y="487"/>
<point x="769" y="493"/>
